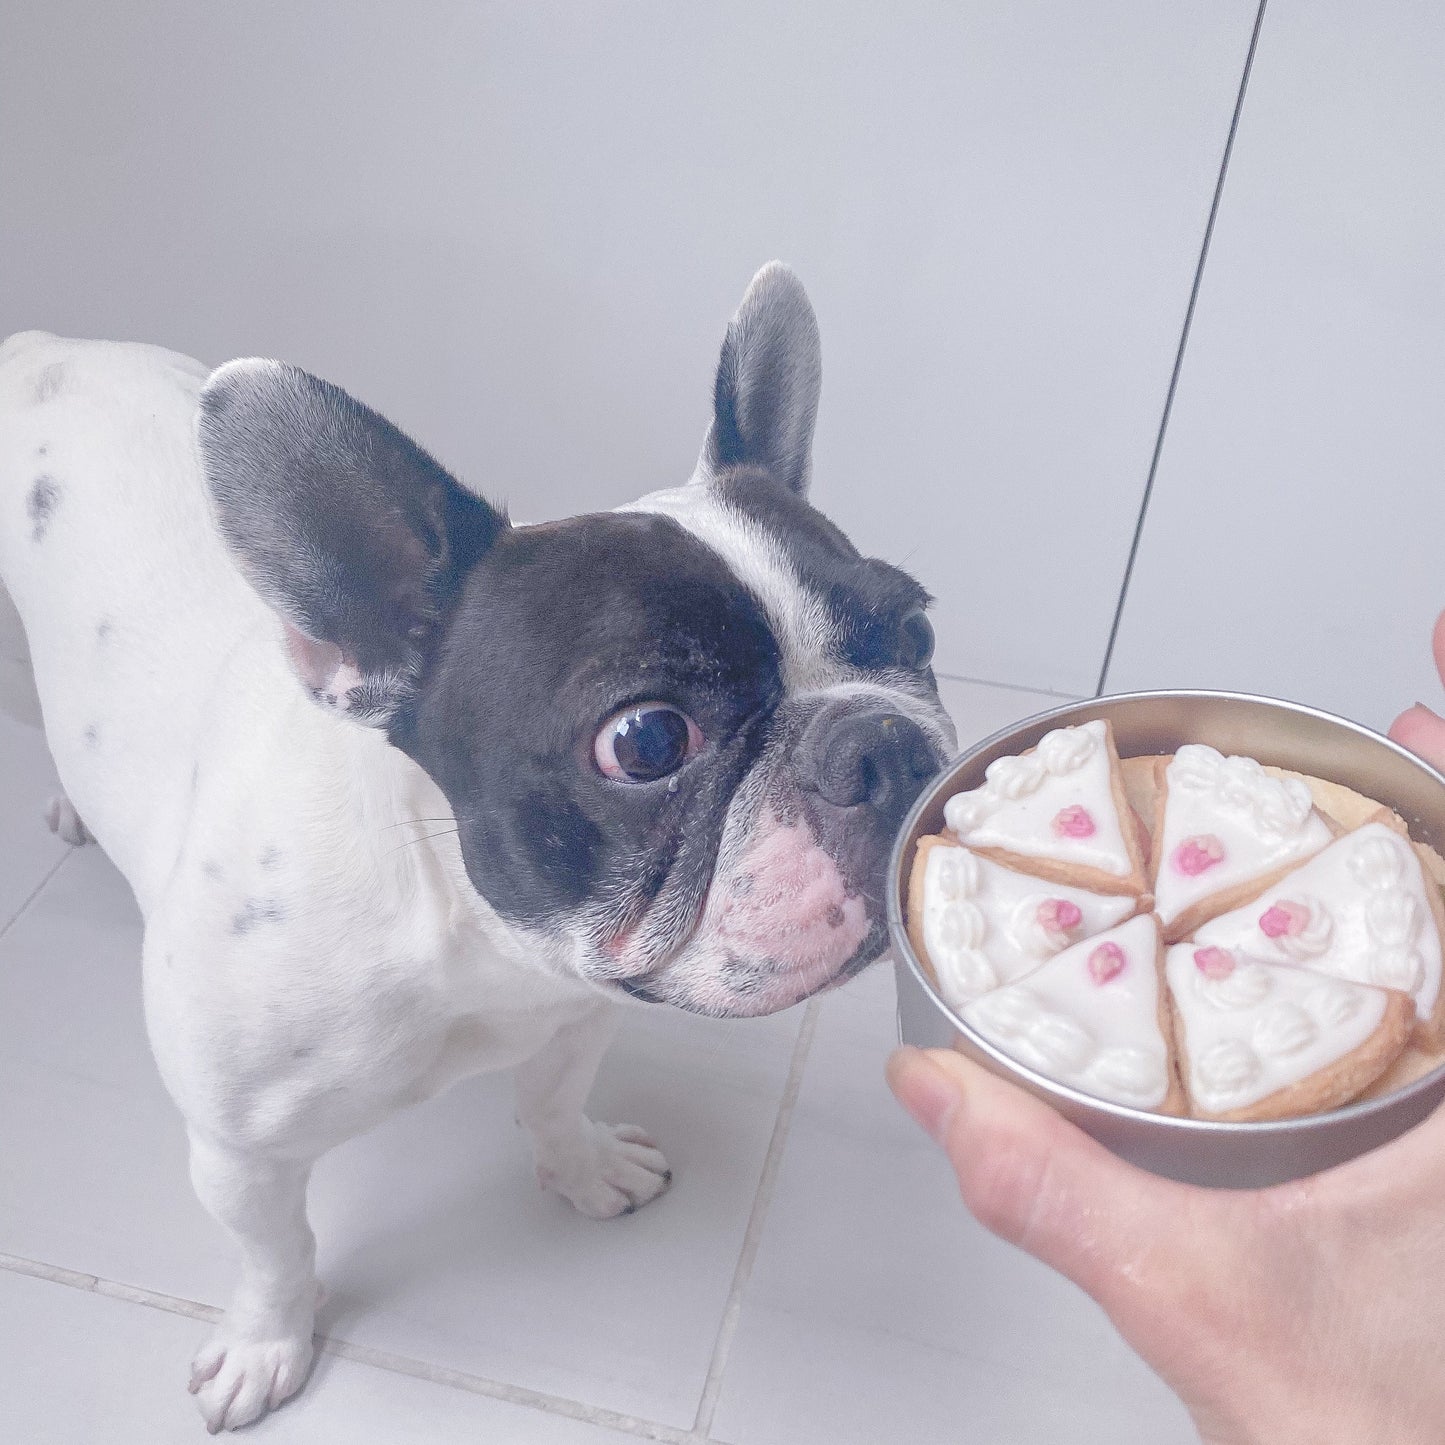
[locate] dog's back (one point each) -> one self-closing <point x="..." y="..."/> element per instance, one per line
<point x="121" y="597"/>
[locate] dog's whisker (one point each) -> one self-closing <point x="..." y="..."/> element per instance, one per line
<point x="427" y="838"/>
<point x="406" y="822"/>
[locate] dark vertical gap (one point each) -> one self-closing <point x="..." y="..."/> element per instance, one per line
<point x="1179" y="355"/>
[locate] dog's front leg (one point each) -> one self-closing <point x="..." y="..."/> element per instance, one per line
<point x="261" y="1349"/>
<point x="604" y="1169"/>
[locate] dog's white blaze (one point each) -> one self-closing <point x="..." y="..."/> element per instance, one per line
<point x="807" y="639"/>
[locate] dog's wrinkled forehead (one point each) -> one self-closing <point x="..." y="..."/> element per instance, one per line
<point x="833" y="612"/>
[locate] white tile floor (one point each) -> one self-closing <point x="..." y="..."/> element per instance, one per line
<point x="809" y="1279"/>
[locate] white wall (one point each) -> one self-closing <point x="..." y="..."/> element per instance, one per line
<point x="520" y="228"/>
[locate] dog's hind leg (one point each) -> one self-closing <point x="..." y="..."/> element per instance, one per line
<point x="261" y="1350"/>
<point x="604" y="1169"/>
<point x="19" y="700"/>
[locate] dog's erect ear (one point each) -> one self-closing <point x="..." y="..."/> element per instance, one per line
<point x="347" y="529"/>
<point x="766" y="397"/>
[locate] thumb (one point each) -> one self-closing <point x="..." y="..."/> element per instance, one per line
<point x="1421" y="731"/>
<point x="1032" y="1178"/>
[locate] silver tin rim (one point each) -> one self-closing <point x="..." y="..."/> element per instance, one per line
<point x="1046" y="1087"/>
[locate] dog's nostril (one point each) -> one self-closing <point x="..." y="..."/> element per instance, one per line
<point x="875" y="759"/>
<point x="868" y="776"/>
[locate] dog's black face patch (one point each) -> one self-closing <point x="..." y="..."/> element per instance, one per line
<point x="556" y="630"/>
<point x="868" y="601"/>
<point x="729" y="860"/>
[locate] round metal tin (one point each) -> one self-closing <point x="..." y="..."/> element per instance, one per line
<point x="1284" y="734"/>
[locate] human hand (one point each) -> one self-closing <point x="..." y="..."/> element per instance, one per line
<point x="1309" y="1312"/>
<point x="1419" y="729"/>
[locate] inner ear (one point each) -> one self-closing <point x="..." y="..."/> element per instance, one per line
<point x="769" y="377"/>
<point x="355" y="536"/>
<point x="330" y="676"/>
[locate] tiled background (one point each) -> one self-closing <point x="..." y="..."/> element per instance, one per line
<point x="519" y="230"/>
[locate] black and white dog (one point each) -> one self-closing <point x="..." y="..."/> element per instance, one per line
<point x="657" y="754"/>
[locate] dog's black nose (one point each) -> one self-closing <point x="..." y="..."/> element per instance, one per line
<point x="877" y="758"/>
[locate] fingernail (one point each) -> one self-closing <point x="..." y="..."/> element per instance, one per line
<point x="929" y="1094"/>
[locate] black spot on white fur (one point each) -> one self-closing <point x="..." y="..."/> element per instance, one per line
<point x="40" y="506"/>
<point x="103" y="630"/>
<point x="49" y="381"/>
<point x="270" y="856"/>
<point x="91" y="736"/>
<point x="255" y="911"/>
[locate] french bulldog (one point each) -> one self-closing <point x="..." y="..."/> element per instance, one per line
<point x="650" y="756"/>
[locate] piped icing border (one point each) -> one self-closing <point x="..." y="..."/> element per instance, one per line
<point x="1057" y="804"/>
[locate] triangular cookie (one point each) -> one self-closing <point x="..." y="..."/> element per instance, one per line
<point x="980" y="924"/>
<point x="1224" y="831"/>
<point x="1094" y="1017"/>
<point x="1057" y="811"/>
<point x="1268" y="1041"/>
<point x="1363" y="909"/>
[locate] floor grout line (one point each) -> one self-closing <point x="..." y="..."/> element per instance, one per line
<point x="36" y="891"/>
<point x="752" y="1236"/>
<point x="1008" y="686"/>
<point x="366" y="1355"/>
<point x="1183" y="344"/>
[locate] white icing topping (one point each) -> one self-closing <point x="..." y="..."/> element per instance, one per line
<point x="1126" y="1072"/>
<point x="1244" y="988"/>
<point x="1375" y="858"/>
<point x="1100" y="1037"/>
<point x="1297" y="1025"/>
<point x="1007" y="1013"/>
<point x="955" y="873"/>
<point x="1064" y="1043"/>
<point x="983" y="924"/>
<point x="1277" y="805"/>
<point x="1227" y="1066"/>
<point x="1283" y="1028"/>
<point x="1332" y="1003"/>
<point x="1313" y="935"/>
<point x="1381" y="927"/>
<point x="1226" y="821"/>
<point x="961" y="926"/>
<point x="1066" y="749"/>
<point x="1056" y="802"/>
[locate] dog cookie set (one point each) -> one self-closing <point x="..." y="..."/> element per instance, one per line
<point x="1243" y="956"/>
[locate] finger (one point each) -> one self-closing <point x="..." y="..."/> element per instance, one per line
<point x="1437" y="641"/>
<point x="1422" y="732"/>
<point x="1035" y="1180"/>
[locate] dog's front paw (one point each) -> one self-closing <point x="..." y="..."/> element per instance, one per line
<point x="237" y="1381"/>
<point x="66" y="823"/>
<point x="613" y="1169"/>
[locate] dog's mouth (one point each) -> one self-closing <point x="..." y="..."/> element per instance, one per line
<point x="775" y="926"/>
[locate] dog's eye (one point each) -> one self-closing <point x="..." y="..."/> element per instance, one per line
<point x="915" y="639"/>
<point x="645" y="742"/>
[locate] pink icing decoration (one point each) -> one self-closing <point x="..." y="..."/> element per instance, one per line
<point x="1074" y="822"/>
<point x="1059" y="917"/>
<point x="1284" y="920"/>
<point x="1068" y="915"/>
<point x="1215" y="963"/>
<point x="1105" y="962"/>
<point x="1196" y="854"/>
